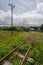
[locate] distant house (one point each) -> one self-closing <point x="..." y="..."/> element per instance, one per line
<point x="31" y="28"/>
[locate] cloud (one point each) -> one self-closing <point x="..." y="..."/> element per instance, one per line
<point x="40" y="8"/>
<point x="27" y="19"/>
<point x="39" y="1"/>
<point x="21" y="6"/>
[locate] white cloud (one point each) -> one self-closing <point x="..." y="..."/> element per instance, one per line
<point x="40" y="8"/>
<point x="34" y="17"/>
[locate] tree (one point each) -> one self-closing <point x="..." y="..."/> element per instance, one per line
<point x="41" y="27"/>
<point x="35" y="28"/>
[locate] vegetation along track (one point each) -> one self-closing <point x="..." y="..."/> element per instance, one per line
<point x="15" y="49"/>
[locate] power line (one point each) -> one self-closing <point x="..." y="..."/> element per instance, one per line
<point x="23" y="5"/>
<point x="17" y="1"/>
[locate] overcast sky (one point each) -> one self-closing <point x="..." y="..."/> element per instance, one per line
<point x="26" y="12"/>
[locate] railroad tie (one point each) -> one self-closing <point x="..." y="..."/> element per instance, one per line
<point x="28" y="59"/>
<point x="6" y="63"/>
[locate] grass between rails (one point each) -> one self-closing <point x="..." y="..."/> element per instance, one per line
<point x="9" y="42"/>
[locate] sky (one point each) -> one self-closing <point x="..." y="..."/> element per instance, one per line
<point x="26" y="13"/>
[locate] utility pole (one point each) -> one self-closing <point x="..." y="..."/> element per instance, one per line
<point x="12" y="7"/>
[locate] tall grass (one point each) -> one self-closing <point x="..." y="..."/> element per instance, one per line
<point x="35" y="40"/>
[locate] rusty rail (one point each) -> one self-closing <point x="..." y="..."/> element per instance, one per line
<point x="10" y="53"/>
<point x="15" y="49"/>
<point x="25" y="56"/>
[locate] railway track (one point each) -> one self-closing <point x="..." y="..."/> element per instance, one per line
<point x="18" y="54"/>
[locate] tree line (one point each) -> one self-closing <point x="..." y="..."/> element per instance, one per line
<point x="35" y="28"/>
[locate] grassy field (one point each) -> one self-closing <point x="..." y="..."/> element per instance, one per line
<point x="8" y="42"/>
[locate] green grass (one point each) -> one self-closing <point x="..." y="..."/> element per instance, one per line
<point x="8" y="42"/>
